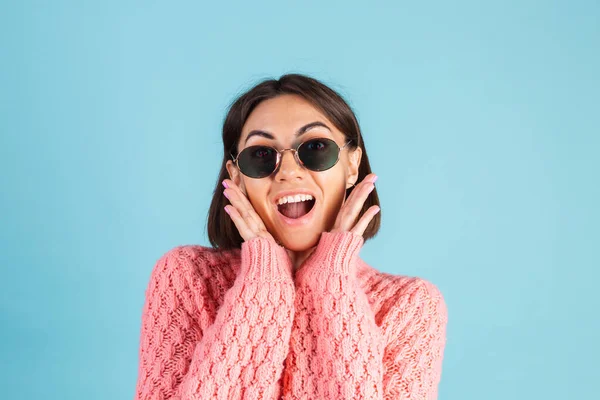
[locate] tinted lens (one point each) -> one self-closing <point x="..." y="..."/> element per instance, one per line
<point x="257" y="161"/>
<point x="319" y="154"/>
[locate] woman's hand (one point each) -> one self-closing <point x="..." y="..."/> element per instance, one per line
<point x="245" y="218"/>
<point x="352" y="206"/>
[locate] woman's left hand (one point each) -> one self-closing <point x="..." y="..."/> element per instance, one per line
<point x="350" y="211"/>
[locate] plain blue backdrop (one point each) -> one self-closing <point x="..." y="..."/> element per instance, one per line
<point x="482" y="120"/>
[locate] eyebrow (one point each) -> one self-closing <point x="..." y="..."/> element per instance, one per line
<point x="299" y="132"/>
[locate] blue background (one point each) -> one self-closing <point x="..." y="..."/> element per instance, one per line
<point x="481" y="120"/>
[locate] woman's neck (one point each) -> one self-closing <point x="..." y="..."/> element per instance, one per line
<point x="298" y="257"/>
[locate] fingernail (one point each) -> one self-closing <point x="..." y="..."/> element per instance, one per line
<point x="225" y="184"/>
<point x="225" y="194"/>
<point x="227" y="210"/>
<point x="375" y="179"/>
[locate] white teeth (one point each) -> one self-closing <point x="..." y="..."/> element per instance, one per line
<point x="294" y="199"/>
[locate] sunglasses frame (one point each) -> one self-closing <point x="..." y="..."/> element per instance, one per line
<point x="296" y="157"/>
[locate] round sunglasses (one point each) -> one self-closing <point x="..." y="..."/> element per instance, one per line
<point x="317" y="154"/>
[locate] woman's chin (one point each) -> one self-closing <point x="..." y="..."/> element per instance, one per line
<point x="300" y="241"/>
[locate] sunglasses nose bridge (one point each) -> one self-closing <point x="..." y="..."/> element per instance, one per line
<point x="280" y="155"/>
<point x="295" y="155"/>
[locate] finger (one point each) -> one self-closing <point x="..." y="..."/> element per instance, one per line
<point x="242" y="209"/>
<point x="364" y="221"/>
<point x="351" y="210"/>
<point x="243" y="198"/>
<point x="341" y="217"/>
<point x="239" y="222"/>
<point x="366" y="182"/>
<point x="241" y="202"/>
<point x="371" y="178"/>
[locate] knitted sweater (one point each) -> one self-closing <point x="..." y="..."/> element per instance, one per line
<point x="240" y="324"/>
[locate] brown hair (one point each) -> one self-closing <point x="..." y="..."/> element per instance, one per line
<point x="222" y="232"/>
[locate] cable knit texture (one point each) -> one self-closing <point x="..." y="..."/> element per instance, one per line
<point x="239" y="324"/>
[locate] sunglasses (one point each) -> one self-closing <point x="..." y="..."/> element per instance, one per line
<point x="317" y="154"/>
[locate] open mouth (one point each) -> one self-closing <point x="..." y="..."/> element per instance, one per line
<point x="297" y="209"/>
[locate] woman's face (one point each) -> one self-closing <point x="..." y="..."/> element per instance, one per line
<point x="280" y="119"/>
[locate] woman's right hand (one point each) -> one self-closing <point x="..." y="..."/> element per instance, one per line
<point x="245" y="218"/>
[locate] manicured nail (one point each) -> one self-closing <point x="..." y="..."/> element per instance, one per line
<point x="225" y="194"/>
<point x="375" y="179"/>
<point x="225" y="184"/>
<point x="227" y="210"/>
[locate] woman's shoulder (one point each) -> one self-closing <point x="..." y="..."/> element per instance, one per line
<point x="193" y="254"/>
<point x="398" y="296"/>
<point x="195" y="265"/>
<point x="414" y="288"/>
<point x="384" y="284"/>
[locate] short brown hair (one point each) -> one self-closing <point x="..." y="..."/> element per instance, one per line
<point x="222" y="232"/>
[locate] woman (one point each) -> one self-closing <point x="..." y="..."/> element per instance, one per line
<point x="282" y="306"/>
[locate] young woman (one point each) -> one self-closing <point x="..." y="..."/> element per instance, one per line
<point x="282" y="306"/>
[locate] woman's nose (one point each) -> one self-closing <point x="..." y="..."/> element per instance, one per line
<point x="288" y="166"/>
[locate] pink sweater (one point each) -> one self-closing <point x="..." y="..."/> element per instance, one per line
<point x="239" y="324"/>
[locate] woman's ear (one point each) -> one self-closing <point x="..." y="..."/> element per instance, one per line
<point x="235" y="175"/>
<point x="354" y="158"/>
<point x="232" y="171"/>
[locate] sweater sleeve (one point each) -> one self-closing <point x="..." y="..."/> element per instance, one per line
<point x="336" y="347"/>
<point x="416" y="328"/>
<point x="241" y="355"/>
